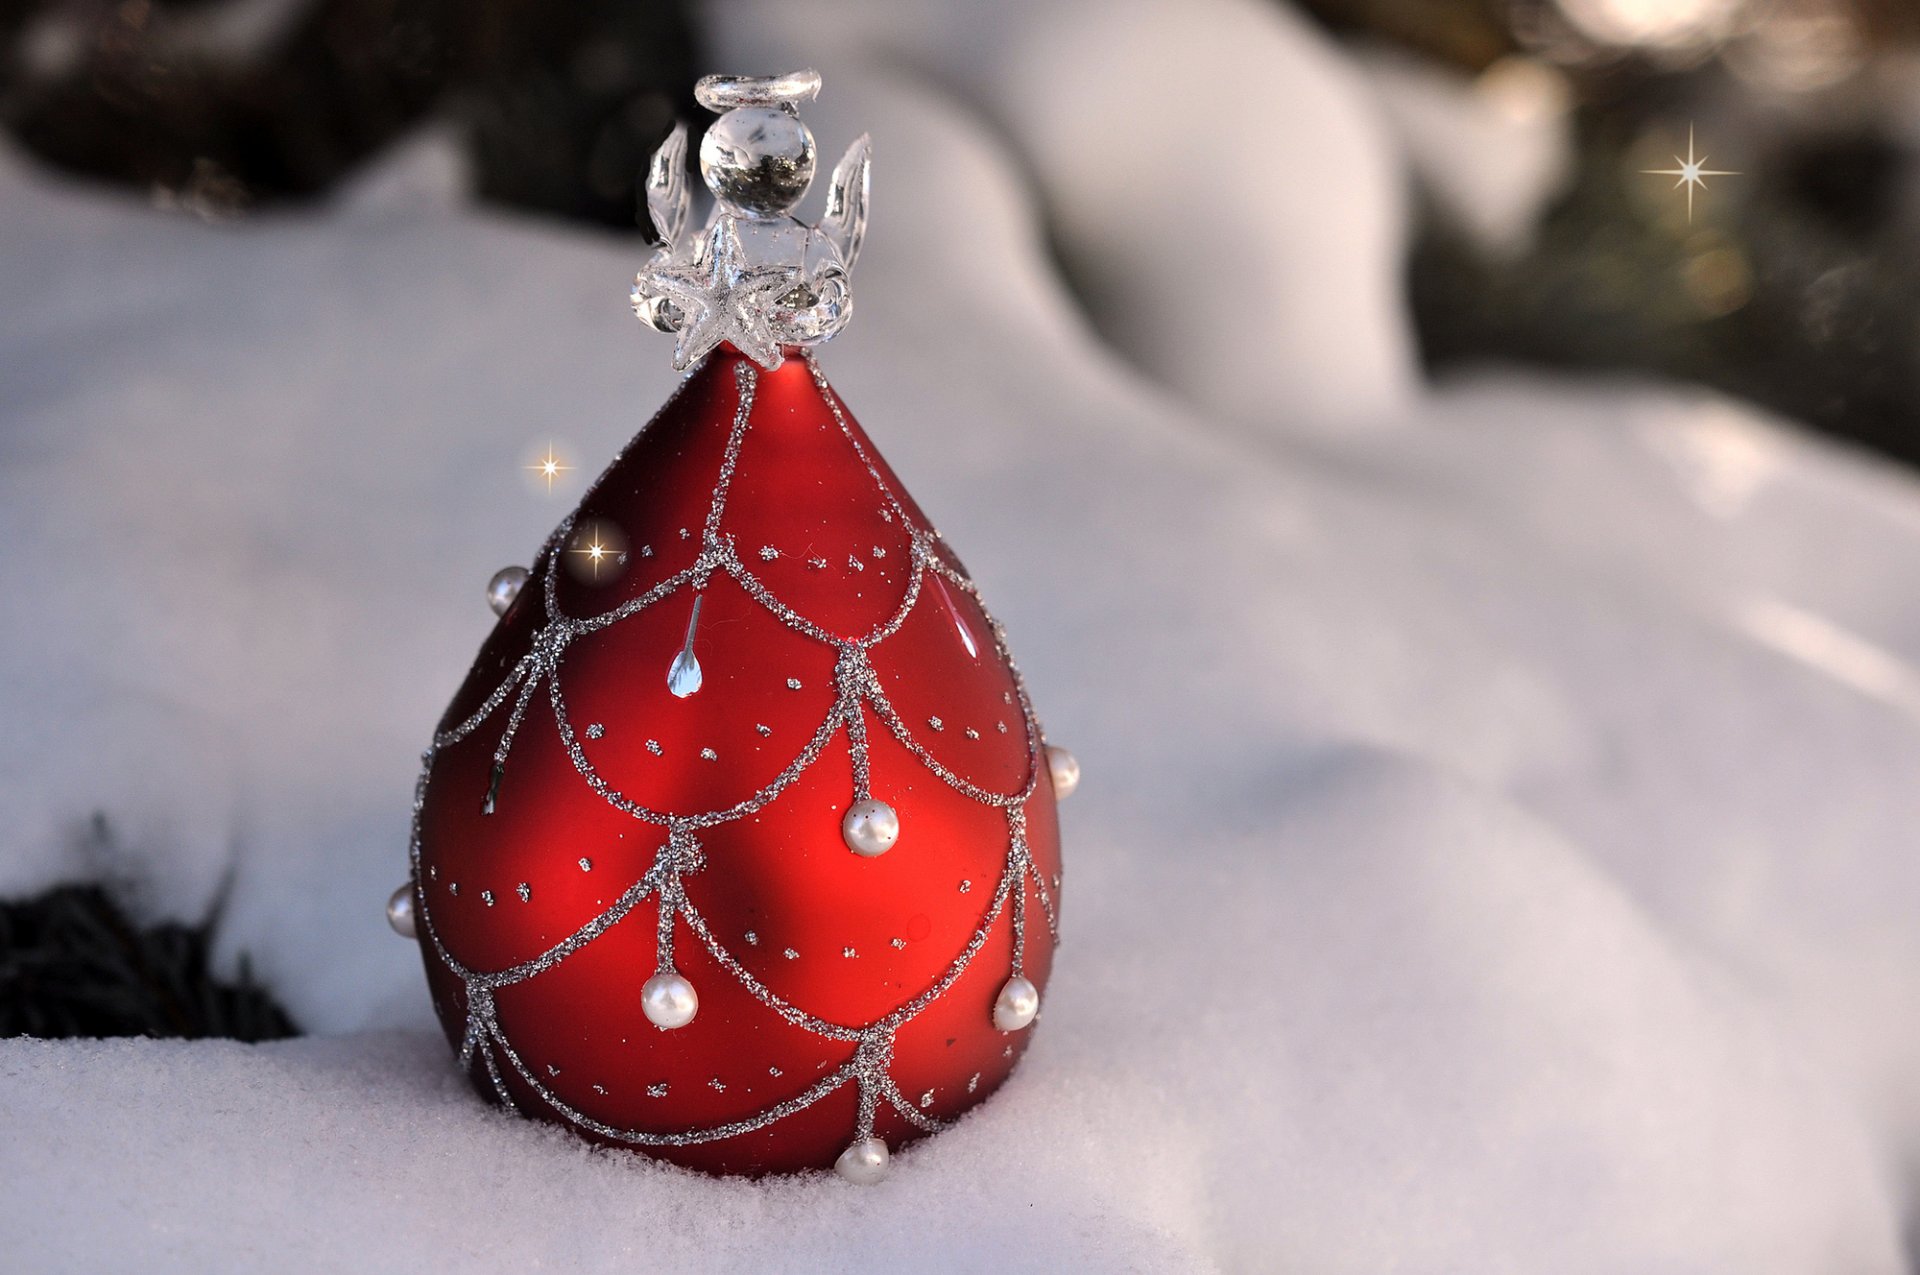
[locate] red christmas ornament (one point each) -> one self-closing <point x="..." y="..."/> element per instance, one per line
<point x="738" y="845"/>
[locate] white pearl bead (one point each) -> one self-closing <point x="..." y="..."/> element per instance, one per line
<point x="1018" y="1002"/>
<point x="400" y="912"/>
<point x="870" y="828"/>
<point x="1065" y="769"/>
<point x="864" y="1161"/>
<point x="668" y="1001"/>
<point x="505" y="587"/>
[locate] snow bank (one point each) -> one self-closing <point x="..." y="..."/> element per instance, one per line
<point x="1495" y="847"/>
<point x="1491" y="151"/>
<point x="1214" y="176"/>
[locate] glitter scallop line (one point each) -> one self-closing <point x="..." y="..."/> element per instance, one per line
<point x="858" y="686"/>
<point x="826" y="1085"/>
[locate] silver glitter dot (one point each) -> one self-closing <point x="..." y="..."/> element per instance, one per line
<point x="899" y="945"/>
<point x="965" y="886"/>
<point x="1056" y="880"/>
<point x="818" y="564"/>
<point x="973" y="1082"/>
<point x="753" y="940"/>
<point x="848" y="952"/>
<point x="552" y="1070"/>
<point x="1006" y="697"/>
<point x="886" y="515"/>
<point x="433" y="873"/>
<point x="453" y="888"/>
<point x="769" y="553"/>
<point x="764" y="729"/>
<point x="685" y="534"/>
<point x="773" y="1071"/>
<point x="525" y="892"/>
<point x="793" y="683"/>
<point x="717" y="1085"/>
<point x="791" y="955"/>
<point x="878" y="552"/>
<point x="855" y="564"/>
<point x="596" y="730"/>
<point x="972" y="733"/>
<point x="653" y="746"/>
<point x="926" y="1099"/>
<point x="1007" y="1052"/>
<point x="657" y="1090"/>
<point x="1001" y="726"/>
<point x="936" y="723"/>
<point x="586" y="865"/>
<point x="707" y="754"/>
<point x="486" y="897"/>
<point x="600" y="1089"/>
<point x="646" y="551"/>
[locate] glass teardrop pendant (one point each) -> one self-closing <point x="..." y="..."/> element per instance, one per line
<point x="683" y="675"/>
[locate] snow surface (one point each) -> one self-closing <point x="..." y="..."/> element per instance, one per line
<point x="1495" y="851"/>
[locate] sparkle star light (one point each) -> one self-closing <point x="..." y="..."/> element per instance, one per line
<point x="595" y="550"/>
<point x="595" y="553"/>
<point x="549" y="467"/>
<point x="1690" y="172"/>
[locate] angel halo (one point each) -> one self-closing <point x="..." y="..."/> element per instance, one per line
<point x="755" y="276"/>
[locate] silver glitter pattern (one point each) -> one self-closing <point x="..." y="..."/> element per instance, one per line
<point x="858" y="693"/>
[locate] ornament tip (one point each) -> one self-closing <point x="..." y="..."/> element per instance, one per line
<point x="1017" y="1005"/>
<point x="400" y="912"/>
<point x="669" y="1001"/>
<point x="864" y="1162"/>
<point x="870" y="828"/>
<point x="504" y="587"/>
<point x="1064" y="769"/>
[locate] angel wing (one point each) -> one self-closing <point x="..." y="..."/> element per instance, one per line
<point x="667" y="197"/>
<point x="845" y="223"/>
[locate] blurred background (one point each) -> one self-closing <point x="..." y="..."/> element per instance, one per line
<point x="1513" y="783"/>
<point x="1794" y="284"/>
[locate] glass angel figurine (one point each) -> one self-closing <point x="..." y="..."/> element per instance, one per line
<point x="755" y="276"/>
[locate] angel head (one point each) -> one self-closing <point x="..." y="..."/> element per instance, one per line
<point x="758" y="157"/>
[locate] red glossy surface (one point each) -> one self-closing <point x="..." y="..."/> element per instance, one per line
<point x="840" y="558"/>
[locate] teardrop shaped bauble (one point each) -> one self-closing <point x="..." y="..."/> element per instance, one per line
<point x="639" y="803"/>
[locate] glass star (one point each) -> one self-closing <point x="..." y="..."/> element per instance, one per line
<point x="725" y="299"/>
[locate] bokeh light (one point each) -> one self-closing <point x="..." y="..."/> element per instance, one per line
<point x="1654" y="23"/>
